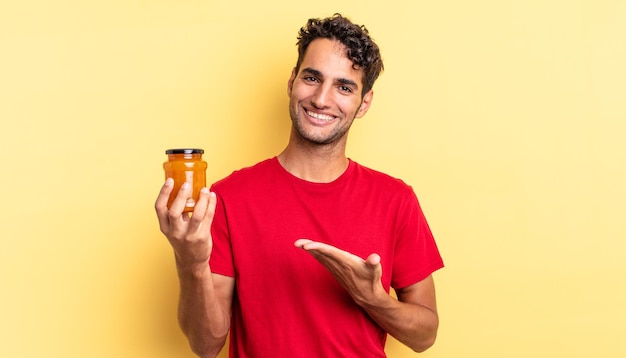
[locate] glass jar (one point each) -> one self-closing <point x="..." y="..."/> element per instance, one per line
<point x="186" y="165"/>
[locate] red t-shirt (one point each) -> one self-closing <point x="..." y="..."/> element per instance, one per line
<point x="286" y="303"/>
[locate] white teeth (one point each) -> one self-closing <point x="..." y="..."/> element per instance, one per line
<point x="319" y="116"/>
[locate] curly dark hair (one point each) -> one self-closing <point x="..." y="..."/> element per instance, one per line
<point x="361" y="49"/>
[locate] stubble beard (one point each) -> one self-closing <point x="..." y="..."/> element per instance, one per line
<point x="334" y="137"/>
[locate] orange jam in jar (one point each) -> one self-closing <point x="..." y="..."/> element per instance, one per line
<point x="186" y="165"/>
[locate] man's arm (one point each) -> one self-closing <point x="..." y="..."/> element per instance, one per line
<point x="205" y="301"/>
<point x="412" y="318"/>
<point x="204" y="310"/>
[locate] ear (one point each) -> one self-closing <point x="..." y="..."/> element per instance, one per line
<point x="290" y="82"/>
<point x="365" y="104"/>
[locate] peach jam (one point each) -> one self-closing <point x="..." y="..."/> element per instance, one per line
<point x="186" y="165"/>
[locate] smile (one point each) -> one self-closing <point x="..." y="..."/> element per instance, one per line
<point x="319" y="116"/>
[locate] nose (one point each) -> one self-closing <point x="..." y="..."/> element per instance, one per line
<point x="321" y="97"/>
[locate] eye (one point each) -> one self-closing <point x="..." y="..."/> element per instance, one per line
<point x="310" y="79"/>
<point x="346" y="89"/>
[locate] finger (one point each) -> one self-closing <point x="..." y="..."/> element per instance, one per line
<point x="326" y="253"/>
<point x="373" y="260"/>
<point x="301" y="242"/>
<point x="160" y="204"/>
<point x="200" y="210"/>
<point x="164" y="194"/>
<point x="322" y="249"/>
<point x="179" y="203"/>
<point x="210" y="213"/>
<point x="207" y="219"/>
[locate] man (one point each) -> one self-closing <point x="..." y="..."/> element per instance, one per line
<point x="357" y="232"/>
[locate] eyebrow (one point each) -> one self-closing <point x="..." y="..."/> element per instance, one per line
<point x="343" y="81"/>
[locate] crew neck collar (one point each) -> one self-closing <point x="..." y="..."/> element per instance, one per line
<point x="343" y="177"/>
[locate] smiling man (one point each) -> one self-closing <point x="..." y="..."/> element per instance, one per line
<point x="326" y="95"/>
<point x="295" y="256"/>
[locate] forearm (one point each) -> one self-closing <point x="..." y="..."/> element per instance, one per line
<point x="200" y="314"/>
<point x="412" y="324"/>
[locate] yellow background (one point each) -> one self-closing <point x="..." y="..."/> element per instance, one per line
<point x="507" y="117"/>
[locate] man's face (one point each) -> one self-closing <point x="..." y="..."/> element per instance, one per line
<point x="325" y="95"/>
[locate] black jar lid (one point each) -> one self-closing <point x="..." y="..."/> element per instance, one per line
<point x="185" y="151"/>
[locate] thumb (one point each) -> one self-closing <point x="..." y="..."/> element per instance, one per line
<point x="373" y="260"/>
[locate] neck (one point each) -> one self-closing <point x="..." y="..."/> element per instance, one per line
<point x="315" y="163"/>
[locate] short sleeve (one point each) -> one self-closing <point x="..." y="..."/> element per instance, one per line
<point x="416" y="252"/>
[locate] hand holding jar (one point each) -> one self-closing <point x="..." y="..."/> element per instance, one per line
<point x="185" y="192"/>
<point x="186" y="166"/>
